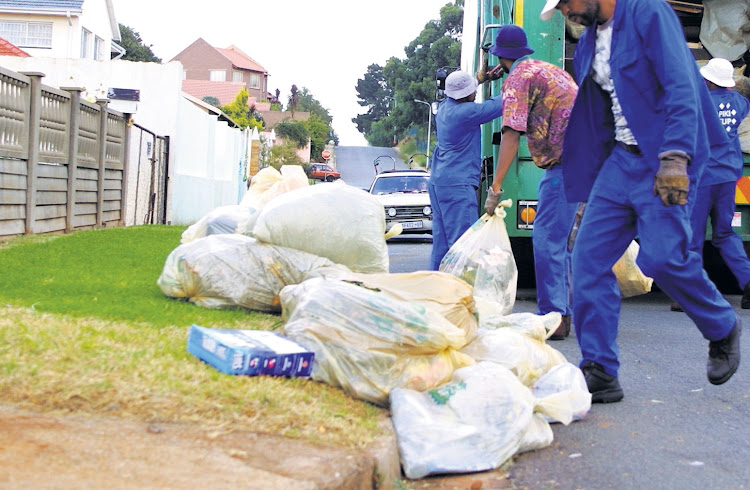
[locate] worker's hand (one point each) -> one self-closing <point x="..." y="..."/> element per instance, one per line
<point x="485" y="74"/>
<point x="671" y="182"/>
<point x="493" y="198"/>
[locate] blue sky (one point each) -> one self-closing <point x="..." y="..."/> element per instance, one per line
<point x="324" y="45"/>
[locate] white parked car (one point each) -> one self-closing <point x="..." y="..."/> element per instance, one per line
<point x="405" y="199"/>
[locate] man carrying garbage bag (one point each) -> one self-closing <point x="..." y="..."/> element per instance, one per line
<point x="456" y="161"/>
<point x="537" y="98"/>
<point x="640" y="132"/>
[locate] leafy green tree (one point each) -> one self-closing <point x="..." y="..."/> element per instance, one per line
<point x="410" y="78"/>
<point x="135" y="49"/>
<point x="374" y="93"/>
<point x="295" y="132"/>
<point x="284" y="154"/>
<point x="243" y="114"/>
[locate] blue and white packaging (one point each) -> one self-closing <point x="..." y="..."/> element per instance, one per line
<point x="249" y="352"/>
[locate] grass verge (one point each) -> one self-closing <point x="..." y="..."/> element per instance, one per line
<point x="85" y="328"/>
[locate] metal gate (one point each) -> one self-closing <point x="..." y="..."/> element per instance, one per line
<point x="149" y="163"/>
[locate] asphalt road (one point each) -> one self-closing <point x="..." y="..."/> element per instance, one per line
<point x="673" y="430"/>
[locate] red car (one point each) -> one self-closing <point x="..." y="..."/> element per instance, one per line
<point x="322" y="171"/>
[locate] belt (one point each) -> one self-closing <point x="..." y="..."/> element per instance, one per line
<point x="634" y="149"/>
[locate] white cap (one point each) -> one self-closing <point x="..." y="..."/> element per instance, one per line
<point x="459" y="84"/>
<point x="719" y="71"/>
<point x="549" y="9"/>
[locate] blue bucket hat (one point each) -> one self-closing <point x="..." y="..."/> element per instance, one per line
<point x="510" y="43"/>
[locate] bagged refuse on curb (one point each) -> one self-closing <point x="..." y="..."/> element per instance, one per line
<point x="476" y="422"/>
<point x="524" y="352"/>
<point x="342" y="223"/>
<point x="442" y="292"/>
<point x="267" y="184"/>
<point x="565" y="384"/>
<point x="539" y="327"/>
<point x="226" y="271"/>
<point x="630" y="279"/>
<point x="366" y="342"/>
<point x="222" y="220"/>
<point x="483" y="257"/>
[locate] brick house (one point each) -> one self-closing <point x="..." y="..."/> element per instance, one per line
<point x="201" y="61"/>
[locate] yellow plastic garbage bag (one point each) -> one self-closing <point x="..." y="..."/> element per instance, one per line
<point x="368" y="343"/>
<point x="630" y="279"/>
<point x="439" y="291"/>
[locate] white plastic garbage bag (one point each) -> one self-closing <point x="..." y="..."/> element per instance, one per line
<point x="539" y="327"/>
<point x="221" y="220"/>
<point x="367" y="342"/>
<point x="226" y="271"/>
<point x="564" y="384"/>
<point x="482" y="257"/>
<point x="478" y="420"/>
<point x="342" y="223"/>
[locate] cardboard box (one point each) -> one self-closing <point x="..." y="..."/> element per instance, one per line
<point x="249" y="352"/>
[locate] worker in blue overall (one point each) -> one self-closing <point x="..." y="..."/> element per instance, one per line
<point x="715" y="196"/>
<point x="638" y="138"/>
<point x="456" y="161"/>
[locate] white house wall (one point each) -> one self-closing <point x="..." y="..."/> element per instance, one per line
<point x="96" y="19"/>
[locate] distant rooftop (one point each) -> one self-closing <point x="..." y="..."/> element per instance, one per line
<point x="43" y="4"/>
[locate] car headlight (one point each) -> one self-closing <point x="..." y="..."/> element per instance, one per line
<point x="427" y="210"/>
<point x="391" y="212"/>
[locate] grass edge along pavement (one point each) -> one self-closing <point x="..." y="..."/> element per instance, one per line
<point x="84" y="328"/>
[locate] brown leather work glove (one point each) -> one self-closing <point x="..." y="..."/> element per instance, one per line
<point x="671" y="182"/>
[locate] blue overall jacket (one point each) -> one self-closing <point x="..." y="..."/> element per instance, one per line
<point x="662" y="93"/>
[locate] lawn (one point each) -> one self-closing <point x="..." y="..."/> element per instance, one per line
<point x="85" y="328"/>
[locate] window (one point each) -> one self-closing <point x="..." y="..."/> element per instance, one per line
<point x="254" y="80"/>
<point x="98" y="48"/>
<point x="85" y="36"/>
<point x="237" y="76"/>
<point x="27" y="34"/>
<point x="218" y="76"/>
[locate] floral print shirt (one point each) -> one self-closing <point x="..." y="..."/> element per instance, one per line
<point x="537" y="100"/>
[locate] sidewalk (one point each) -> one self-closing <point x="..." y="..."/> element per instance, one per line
<point x="73" y="451"/>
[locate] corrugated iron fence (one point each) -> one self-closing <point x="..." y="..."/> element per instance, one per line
<point x="62" y="159"/>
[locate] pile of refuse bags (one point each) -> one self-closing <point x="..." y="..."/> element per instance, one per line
<point x="468" y="383"/>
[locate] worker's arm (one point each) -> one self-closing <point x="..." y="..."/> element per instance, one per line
<point x="505" y="156"/>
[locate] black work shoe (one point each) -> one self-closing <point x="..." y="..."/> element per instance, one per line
<point x="745" y="303"/>
<point x="675" y="306"/>
<point x="603" y="387"/>
<point x="563" y="330"/>
<point x="724" y="356"/>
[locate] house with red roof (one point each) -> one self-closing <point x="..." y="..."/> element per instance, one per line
<point x="227" y="69"/>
